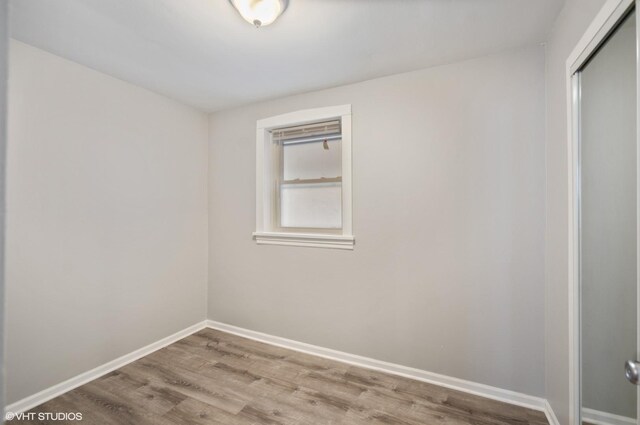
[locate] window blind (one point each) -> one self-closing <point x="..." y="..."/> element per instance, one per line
<point x="308" y="133"/>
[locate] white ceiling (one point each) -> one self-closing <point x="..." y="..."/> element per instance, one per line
<point x="202" y="53"/>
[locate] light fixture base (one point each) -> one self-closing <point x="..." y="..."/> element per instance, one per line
<point x="260" y="13"/>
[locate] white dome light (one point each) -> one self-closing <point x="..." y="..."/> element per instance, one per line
<point x="260" y="12"/>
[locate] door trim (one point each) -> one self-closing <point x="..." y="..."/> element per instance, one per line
<point x="604" y="23"/>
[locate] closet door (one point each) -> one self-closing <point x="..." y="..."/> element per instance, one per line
<point x="608" y="272"/>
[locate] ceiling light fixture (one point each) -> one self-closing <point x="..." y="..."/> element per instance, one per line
<point x="260" y="12"/>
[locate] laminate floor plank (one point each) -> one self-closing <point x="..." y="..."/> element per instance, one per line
<point x="212" y="377"/>
<point x="180" y="357"/>
<point x="192" y="411"/>
<point x="188" y="383"/>
<point x="99" y="406"/>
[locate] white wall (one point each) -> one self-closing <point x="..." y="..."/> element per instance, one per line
<point x="4" y="55"/>
<point x="447" y="272"/>
<point x="107" y="222"/>
<point x="569" y="27"/>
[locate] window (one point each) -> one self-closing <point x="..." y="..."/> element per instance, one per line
<point x="304" y="179"/>
<point x="310" y="176"/>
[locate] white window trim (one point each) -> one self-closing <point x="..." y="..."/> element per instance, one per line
<point x="264" y="235"/>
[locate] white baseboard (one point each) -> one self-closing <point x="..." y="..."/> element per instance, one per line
<point x="597" y="417"/>
<point x="78" y="380"/>
<point x="507" y="396"/>
<point x="551" y="416"/>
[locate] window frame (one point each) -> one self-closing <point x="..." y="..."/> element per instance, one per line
<point x="268" y="231"/>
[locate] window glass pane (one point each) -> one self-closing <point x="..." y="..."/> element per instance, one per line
<point x="316" y="205"/>
<point x="312" y="160"/>
<point x="306" y="201"/>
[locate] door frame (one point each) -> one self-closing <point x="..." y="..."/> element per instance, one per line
<point x="604" y="23"/>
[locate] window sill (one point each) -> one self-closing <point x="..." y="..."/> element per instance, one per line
<point x="305" y="239"/>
